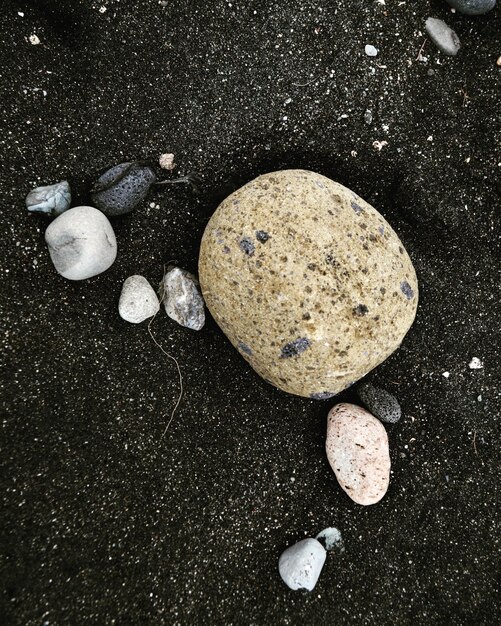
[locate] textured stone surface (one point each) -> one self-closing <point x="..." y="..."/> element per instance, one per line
<point x="331" y="539"/>
<point x="380" y="403"/>
<point x="50" y="199"/>
<point x="443" y="36"/>
<point x="473" y="7"/>
<point x="357" y="450"/>
<point x="81" y="243"/>
<point x="138" y="300"/>
<point x="120" y="189"/>
<point x="182" y="299"/>
<point x="307" y="280"/>
<point x="300" y="565"/>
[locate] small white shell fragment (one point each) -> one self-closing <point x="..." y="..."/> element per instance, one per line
<point x="475" y="364"/>
<point x="300" y="565"/>
<point x="166" y="161"/>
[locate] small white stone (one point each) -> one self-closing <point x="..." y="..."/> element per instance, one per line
<point x="138" y="301"/>
<point x="371" y="51"/>
<point x="166" y="161"/>
<point x="476" y="364"/>
<point x="81" y="243"/>
<point x="446" y="374"/>
<point x="300" y="565"/>
<point x="34" y="40"/>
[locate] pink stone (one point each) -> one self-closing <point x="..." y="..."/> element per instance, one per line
<point x="358" y="452"/>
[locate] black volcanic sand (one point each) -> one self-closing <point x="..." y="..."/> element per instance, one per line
<point x="106" y="522"/>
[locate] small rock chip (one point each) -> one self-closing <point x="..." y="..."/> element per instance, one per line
<point x="371" y="51"/>
<point x="358" y="452"/>
<point x="51" y="199"/>
<point x="380" y="403"/>
<point x="81" y="243"/>
<point x="138" y="301"/>
<point x="166" y="161"/>
<point x="473" y="7"/>
<point x="120" y="189"/>
<point x="300" y="565"/>
<point x="331" y="539"/>
<point x="34" y="40"/>
<point x="182" y="299"/>
<point x="443" y="36"/>
<point x="475" y="364"/>
<point x="368" y="116"/>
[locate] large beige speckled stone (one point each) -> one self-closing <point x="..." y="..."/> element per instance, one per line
<point x="358" y="452"/>
<point x="307" y="280"/>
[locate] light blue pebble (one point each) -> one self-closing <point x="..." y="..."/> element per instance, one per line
<point x="51" y="199"/>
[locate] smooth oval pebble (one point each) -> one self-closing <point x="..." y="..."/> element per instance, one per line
<point x="138" y="300"/>
<point x="443" y="36"/>
<point x="473" y="7"/>
<point x="81" y="243"/>
<point x="308" y="281"/>
<point x="300" y="565"/>
<point x="380" y="403"/>
<point x="120" y="189"/>
<point x="358" y="452"/>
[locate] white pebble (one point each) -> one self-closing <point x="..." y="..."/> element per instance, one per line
<point x="81" y="243"/>
<point x="138" y="301"/>
<point x="371" y="51"/>
<point x="182" y="298"/>
<point x="300" y="565"/>
<point x="476" y="364"/>
<point x="34" y="40"/>
<point x="446" y="374"/>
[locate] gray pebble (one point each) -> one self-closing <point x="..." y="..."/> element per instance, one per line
<point x="473" y="7"/>
<point x="331" y="539"/>
<point x="443" y="36"/>
<point x="370" y="51"/>
<point x="182" y="299"/>
<point x="120" y="189"/>
<point x="300" y="565"/>
<point x="81" y="243"/>
<point x="138" y="301"/>
<point x="368" y="117"/>
<point x="51" y="199"/>
<point x="380" y="403"/>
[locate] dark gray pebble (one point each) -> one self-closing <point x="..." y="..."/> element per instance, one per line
<point x="120" y="189"/>
<point x="473" y="7"/>
<point x="380" y="403"/>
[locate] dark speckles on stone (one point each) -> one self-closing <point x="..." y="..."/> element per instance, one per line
<point x="406" y="289"/>
<point x="322" y="395"/>
<point x="243" y="347"/>
<point x="360" y="310"/>
<point x="294" y="348"/>
<point x="356" y="207"/>
<point x="226" y="250"/>
<point x="262" y="236"/>
<point x="247" y="246"/>
<point x="381" y="230"/>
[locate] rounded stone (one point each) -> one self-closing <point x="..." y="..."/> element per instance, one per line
<point x="308" y="281"/>
<point x="300" y="565"/>
<point x="120" y="189"/>
<point x="380" y="403"/>
<point x="443" y="36"/>
<point x="81" y="243"/>
<point x="358" y="452"/>
<point x="473" y="7"/>
<point x="138" y="300"/>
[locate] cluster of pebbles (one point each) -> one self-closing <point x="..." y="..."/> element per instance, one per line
<point x="307" y="280"/>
